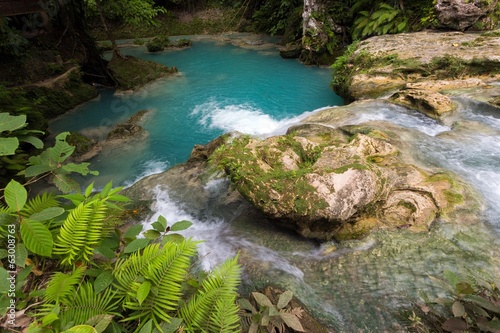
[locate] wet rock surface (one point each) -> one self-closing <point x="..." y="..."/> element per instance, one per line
<point x="338" y="183"/>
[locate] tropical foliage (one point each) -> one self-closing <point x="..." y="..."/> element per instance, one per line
<point x="472" y="304"/>
<point x="77" y="272"/>
<point x="385" y="19"/>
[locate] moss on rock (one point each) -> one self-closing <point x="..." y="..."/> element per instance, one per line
<point x="132" y="72"/>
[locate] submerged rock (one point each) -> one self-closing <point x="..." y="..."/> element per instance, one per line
<point x="337" y="183"/>
<point x="430" y="103"/>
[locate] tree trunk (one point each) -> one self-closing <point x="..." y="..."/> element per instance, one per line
<point x="116" y="51"/>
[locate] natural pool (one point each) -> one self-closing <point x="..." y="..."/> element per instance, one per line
<point x="220" y="88"/>
<point x="360" y="287"/>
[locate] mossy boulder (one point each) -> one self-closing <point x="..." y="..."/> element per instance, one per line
<point x="130" y="129"/>
<point x="132" y="73"/>
<point x="338" y="183"/>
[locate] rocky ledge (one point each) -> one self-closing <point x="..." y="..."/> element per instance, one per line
<point x="419" y="68"/>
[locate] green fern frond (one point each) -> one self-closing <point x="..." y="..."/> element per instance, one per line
<point x="39" y="203"/>
<point x="127" y="271"/>
<point x="165" y="272"/>
<point x="87" y="304"/>
<point x="225" y="318"/>
<point x="202" y="311"/>
<point x="72" y="236"/>
<point x="82" y="231"/>
<point x="95" y="229"/>
<point x="62" y="287"/>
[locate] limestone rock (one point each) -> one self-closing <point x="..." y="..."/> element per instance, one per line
<point x="325" y="187"/>
<point x="290" y="51"/>
<point x="366" y="86"/>
<point x="129" y="129"/>
<point x="430" y="103"/>
<point x="461" y="14"/>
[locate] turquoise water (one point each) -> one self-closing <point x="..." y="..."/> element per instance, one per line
<point x="220" y="88"/>
<point x="363" y="285"/>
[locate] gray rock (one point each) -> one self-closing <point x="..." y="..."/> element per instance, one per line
<point x="461" y="14"/>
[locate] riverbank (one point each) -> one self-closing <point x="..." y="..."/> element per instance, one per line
<point x="379" y="272"/>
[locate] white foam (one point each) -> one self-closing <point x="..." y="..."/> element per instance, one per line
<point x="151" y="167"/>
<point x="212" y="251"/>
<point x="243" y="118"/>
<point x="405" y="118"/>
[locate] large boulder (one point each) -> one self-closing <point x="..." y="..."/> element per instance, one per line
<point x="463" y="14"/>
<point x="338" y="183"/>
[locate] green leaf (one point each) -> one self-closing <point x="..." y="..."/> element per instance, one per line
<point x="482" y="302"/>
<point x="464" y="288"/>
<point x="37" y="169"/>
<point x="157" y="226"/>
<point x="37" y="293"/>
<point x="37" y="237"/>
<point x="15" y="196"/>
<point x="148" y="327"/>
<point x="21" y="255"/>
<point x="476" y="310"/>
<point x="100" y="322"/>
<point x="458" y="309"/>
<point x="163" y="221"/>
<point x="452" y="278"/>
<point x="49" y="319"/>
<point x="292" y="321"/>
<point x="81" y="168"/>
<point x="8" y="146"/>
<point x="143" y="291"/>
<point x="262" y="299"/>
<point x="284" y="299"/>
<point x="33" y="140"/>
<point x="151" y="234"/>
<point x="65" y="183"/>
<point x="245" y="304"/>
<point x="169" y="327"/>
<point x="181" y="225"/>
<point x="173" y="238"/>
<point x="133" y="231"/>
<point x="4" y="281"/>
<point x="11" y="123"/>
<point x="81" y="329"/>
<point x="89" y="189"/>
<point x="107" y="188"/>
<point x="3" y="254"/>
<point x="6" y="218"/>
<point x="47" y="214"/>
<point x="103" y="281"/>
<point x="136" y="244"/>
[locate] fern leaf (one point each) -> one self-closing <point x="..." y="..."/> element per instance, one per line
<point x="95" y="230"/>
<point x="72" y="236"/>
<point x="225" y="318"/>
<point x="87" y="304"/>
<point x="127" y="271"/>
<point x="39" y="203"/>
<point x="165" y="272"/>
<point x="62" y="286"/>
<point x="202" y="310"/>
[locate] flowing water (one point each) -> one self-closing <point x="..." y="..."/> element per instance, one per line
<point x="361" y="286"/>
